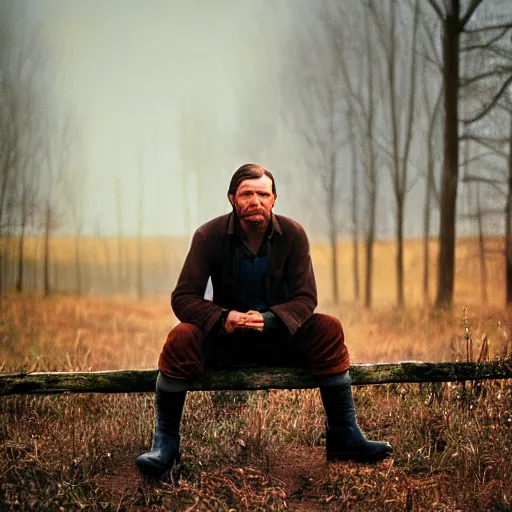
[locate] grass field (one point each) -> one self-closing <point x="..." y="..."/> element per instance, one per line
<point x="256" y="451"/>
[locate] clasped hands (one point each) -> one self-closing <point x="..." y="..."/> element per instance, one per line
<point x="237" y="321"/>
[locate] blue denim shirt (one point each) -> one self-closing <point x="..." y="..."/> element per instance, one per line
<point x="251" y="284"/>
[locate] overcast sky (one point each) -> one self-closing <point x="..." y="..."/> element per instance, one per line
<point x="158" y="86"/>
<point x="182" y="93"/>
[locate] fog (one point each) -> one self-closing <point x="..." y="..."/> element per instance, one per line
<point x="127" y="119"/>
<point x="181" y="93"/>
<point x="158" y="88"/>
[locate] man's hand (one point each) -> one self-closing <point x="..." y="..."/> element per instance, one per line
<point x="244" y="321"/>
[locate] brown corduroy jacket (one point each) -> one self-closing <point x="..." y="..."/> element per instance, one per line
<point x="289" y="281"/>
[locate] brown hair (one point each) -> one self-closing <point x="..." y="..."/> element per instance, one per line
<point x="249" y="172"/>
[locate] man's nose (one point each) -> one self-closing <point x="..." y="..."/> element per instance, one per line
<point x="255" y="200"/>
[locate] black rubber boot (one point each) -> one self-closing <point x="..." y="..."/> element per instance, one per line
<point x="344" y="439"/>
<point x="165" y="450"/>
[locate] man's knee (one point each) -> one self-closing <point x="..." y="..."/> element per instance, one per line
<point x="327" y="326"/>
<point x="324" y="346"/>
<point x="182" y="353"/>
<point x="182" y="337"/>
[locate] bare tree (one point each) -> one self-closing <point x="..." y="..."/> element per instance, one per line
<point x="57" y="146"/>
<point x="121" y="270"/>
<point x="355" y="109"/>
<point x="9" y="133"/>
<point x="431" y="191"/>
<point x="402" y="109"/>
<point x="488" y="97"/>
<point x="318" y="92"/>
<point x="508" y="219"/>
<point x="140" y="260"/>
<point x="369" y="112"/>
<point x="499" y="182"/>
<point x="354" y="131"/>
<point x="27" y="62"/>
<point x="454" y="21"/>
<point x="21" y="62"/>
<point x="74" y="186"/>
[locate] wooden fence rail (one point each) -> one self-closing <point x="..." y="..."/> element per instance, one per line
<point x="248" y="378"/>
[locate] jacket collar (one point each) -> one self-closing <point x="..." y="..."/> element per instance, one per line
<point x="233" y="225"/>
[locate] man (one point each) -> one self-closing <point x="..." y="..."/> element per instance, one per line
<point x="264" y="296"/>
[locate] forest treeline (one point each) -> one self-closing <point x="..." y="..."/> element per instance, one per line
<point x="404" y="93"/>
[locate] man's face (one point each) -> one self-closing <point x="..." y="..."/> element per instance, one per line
<point x="253" y="200"/>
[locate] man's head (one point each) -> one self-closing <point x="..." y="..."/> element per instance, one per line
<point x="252" y="193"/>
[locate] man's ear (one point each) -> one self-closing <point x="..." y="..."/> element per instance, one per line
<point x="231" y="198"/>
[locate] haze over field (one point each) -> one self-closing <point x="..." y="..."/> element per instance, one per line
<point x="184" y="92"/>
<point x="127" y="119"/>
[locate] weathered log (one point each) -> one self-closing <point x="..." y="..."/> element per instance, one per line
<point x="249" y="378"/>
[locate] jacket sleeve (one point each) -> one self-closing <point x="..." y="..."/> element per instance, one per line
<point x="301" y="284"/>
<point x="187" y="299"/>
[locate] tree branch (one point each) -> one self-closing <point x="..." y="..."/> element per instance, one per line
<point x="488" y="181"/>
<point x="488" y="74"/>
<point x="430" y="38"/>
<point x="489" y="140"/>
<point x="436" y="8"/>
<point x="489" y="27"/>
<point x="473" y="6"/>
<point x="478" y="140"/>
<point x="488" y="108"/>
<point x="485" y="45"/>
<point x="476" y="158"/>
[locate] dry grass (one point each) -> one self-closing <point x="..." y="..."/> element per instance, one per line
<point x="249" y="451"/>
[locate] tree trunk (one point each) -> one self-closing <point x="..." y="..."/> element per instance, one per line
<point x="109" y="272"/>
<point x="450" y="177"/>
<point x="21" y="247"/>
<point x="371" y="172"/>
<point x="331" y="206"/>
<point x="370" y="238"/>
<point x="354" y="199"/>
<point x="46" y="255"/>
<point x="481" y="247"/>
<point x="3" y="199"/>
<point x="78" y="270"/>
<point x="426" y="230"/>
<point x="400" y="255"/>
<point x="508" y="224"/>
<point x="139" y="283"/>
<point x="334" y="264"/>
<point x="21" y="242"/>
<point x="429" y="191"/>
<point x="121" y="271"/>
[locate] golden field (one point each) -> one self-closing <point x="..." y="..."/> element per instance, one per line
<point x="108" y="267"/>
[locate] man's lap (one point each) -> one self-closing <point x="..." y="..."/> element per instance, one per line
<point x="266" y="349"/>
<point x="318" y="346"/>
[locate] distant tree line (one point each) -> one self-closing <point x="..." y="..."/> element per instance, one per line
<point x="398" y="92"/>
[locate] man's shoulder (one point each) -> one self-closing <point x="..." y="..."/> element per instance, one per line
<point x="216" y="225"/>
<point x="289" y="226"/>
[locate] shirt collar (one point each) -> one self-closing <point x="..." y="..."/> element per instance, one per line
<point x="233" y="225"/>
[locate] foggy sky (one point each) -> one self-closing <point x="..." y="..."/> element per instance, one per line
<point x="183" y="92"/>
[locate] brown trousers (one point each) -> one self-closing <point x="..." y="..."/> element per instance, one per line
<point x="318" y="346"/>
